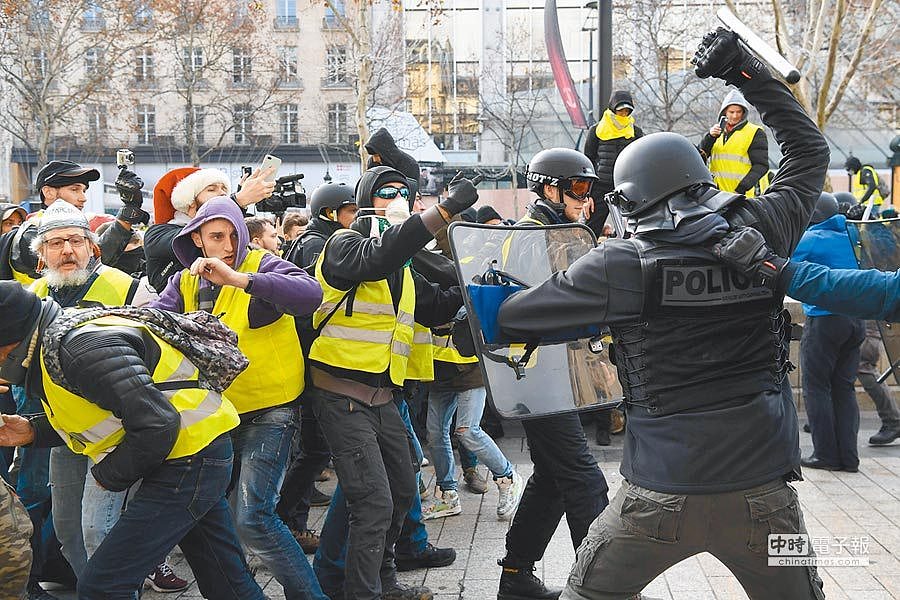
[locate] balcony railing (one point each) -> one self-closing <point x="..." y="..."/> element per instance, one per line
<point x="93" y="24"/>
<point x="287" y="22"/>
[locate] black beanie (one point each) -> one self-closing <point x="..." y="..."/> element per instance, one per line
<point x="19" y="309"/>
<point x="487" y="213"/>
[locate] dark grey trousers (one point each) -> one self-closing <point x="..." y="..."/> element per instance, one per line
<point x="643" y="533"/>
<point x="373" y="463"/>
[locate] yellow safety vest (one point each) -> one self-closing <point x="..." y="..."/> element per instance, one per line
<point x="275" y="374"/>
<point x="88" y="429"/>
<point x="445" y="351"/>
<point x="111" y="287"/>
<point x="859" y="190"/>
<point x="730" y="163"/>
<point x="421" y="357"/>
<point x="504" y="251"/>
<point x="22" y="278"/>
<point x="373" y="337"/>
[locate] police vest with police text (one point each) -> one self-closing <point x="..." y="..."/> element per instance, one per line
<point x="88" y="429"/>
<point x="729" y="161"/>
<point x="707" y="333"/>
<point x="363" y="331"/>
<point x="275" y="374"/>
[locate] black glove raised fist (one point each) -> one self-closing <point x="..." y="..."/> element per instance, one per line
<point x="129" y="185"/>
<point x="744" y="250"/>
<point x="461" y="194"/>
<point x="722" y="54"/>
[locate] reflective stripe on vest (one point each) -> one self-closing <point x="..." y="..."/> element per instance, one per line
<point x="859" y="190"/>
<point x="93" y="431"/>
<point x="421" y="359"/>
<point x="445" y="351"/>
<point x="275" y="374"/>
<point x="504" y="251"/>
<point x="365" y="333"/>
<point x="729" y="162"/>
<point x="111" y="287"/>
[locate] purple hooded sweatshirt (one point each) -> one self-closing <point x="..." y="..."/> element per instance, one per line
<point x="279" y="287"/>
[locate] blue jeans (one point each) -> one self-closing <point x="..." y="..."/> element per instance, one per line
<point x="413" y="535"/>
<point x="180" y="502"/>
<point x="262" y="446"/>
<point x="468" y="406"/>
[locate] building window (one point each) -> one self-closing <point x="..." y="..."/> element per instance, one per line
<point x="93" y="62"/>
<point x="288" y="68"/>
<point x="40" y="16"/>
<point x="332" y="17"/>
<point x="338" y="131"/>
<point x="40" y="65"/>
<point x="241" y="66"/>
<point x="143" y="14"/>
<point x="92" y="19"/>
<point x="290" y="124"/>
<point x="96" y="121"/>
<point x="192" y="61"/>
<point x="286" y="13"/>
<point x="196" y="118"/>
<point x="243" y="124"/>
<point x="143" y="67"/>
<point x="146" y="124"/>
<point x="336" y="65"/>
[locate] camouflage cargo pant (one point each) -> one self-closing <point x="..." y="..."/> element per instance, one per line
<point x="15" y="549"/>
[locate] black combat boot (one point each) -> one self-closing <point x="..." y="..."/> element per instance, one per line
<point x="517" y="582"/>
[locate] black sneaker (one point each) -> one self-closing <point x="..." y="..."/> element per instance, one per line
<point x="428" y="558"/>
<point x="401" y="591"/>
<point x="601" y="435"/>
<point x="885" y="435"/>
<point x="520" y="583"/>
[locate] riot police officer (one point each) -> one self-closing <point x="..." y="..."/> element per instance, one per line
<point x="566" y="478"/>
<point x="701" y="353"/>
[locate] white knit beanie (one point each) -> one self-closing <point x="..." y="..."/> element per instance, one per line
<point x="187" y="189"/>
<point x="62" y="214"/>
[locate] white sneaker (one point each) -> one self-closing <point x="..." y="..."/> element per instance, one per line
<point x="511" y="489"/>
<point x="443" y="504"/>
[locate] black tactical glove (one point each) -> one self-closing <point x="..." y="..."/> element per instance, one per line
<point x="744" y="250"/>
<point x="129" y="185"/>
<point x="856" y="212"/>
<point x="722" y="54"/>
<point x="461" y="194"/>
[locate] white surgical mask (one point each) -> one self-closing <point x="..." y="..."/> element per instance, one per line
<point x="397" y="211"/>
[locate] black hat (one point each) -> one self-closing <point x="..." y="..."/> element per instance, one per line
<point x="826" y="207"/>
<point x="58" y="173"/>
<point x="852" y="164"/>
<point x="487" y="213"/>
<point x="20" y="309"/>
<point x="470" y="215"/>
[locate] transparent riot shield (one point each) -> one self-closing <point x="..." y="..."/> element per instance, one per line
<point x="555" y="377"/>
<point x="877" y="246"/>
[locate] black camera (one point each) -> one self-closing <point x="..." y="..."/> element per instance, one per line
<point x="288" y="193"/>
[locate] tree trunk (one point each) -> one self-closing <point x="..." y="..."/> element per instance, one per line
<point x="364" y="79"/>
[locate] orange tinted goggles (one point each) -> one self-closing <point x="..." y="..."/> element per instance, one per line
<point x="580" y="188"/>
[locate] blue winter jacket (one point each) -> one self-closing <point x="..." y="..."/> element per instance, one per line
<point x="826" y="243"/>
<point x="869" y="294"/>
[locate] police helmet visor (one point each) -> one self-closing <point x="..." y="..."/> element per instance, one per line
<point x="579" y="188"/>
<point x="389" y="193"/>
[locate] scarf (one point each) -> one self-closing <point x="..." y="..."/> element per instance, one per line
<point x="612" y="126"/>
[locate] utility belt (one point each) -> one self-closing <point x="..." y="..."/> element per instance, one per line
<point x="362" y="393"/>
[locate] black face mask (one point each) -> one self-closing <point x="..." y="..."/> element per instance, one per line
<point x="133" y="262"/>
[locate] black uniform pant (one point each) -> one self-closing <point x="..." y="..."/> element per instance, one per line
<point x="566" y="479"/>
<point x="829" y="356"/>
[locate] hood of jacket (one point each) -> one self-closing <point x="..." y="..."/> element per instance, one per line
<point x="618" y="97"/>
<point x="221" y="207"/>
<point x="322" y="227"/>
<point x="835" y="223"/>
<point x="735" y="97"/>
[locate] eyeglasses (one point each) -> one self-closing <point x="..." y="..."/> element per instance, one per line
<point x="75" y="241"/>
<point x="579" y="188"/>
<point x="389" y="193"/>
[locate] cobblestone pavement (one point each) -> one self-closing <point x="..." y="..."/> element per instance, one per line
<point x="837" y="506"/>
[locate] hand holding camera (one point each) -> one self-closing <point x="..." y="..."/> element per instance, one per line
<point x="129" y="186"/>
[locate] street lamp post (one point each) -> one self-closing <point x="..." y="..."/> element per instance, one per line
<point x="590" y="26"/>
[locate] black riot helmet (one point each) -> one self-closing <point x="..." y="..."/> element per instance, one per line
<point x="560" y="167"/>
<point x="330" y="195"/>
<point x="654" y="167"/>
<point x="826" y="207"/>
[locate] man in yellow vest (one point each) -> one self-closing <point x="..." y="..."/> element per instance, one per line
<point x="737" y="150"/>
<point x="864" y="183"/>
<point x="114" y="389"/>
<point x="72" y="275"/>
<point x="257" y="295"/>
<point x="372" y="300"/>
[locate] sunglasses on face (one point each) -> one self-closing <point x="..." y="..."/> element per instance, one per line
<point x="389" y="193"/>
<point x="579" y="188"/>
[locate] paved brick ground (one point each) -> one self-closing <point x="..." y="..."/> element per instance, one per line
<point x="864" y="504"/>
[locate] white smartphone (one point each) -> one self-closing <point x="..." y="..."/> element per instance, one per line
<point x="270" y="161"/>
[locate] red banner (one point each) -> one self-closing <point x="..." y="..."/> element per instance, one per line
<point x="561" y="75"/>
